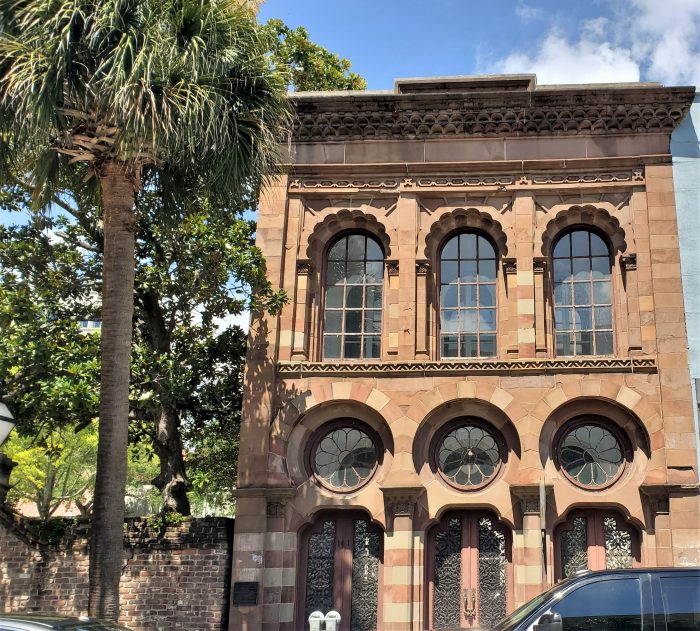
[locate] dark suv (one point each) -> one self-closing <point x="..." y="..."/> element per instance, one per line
<point x="645" y="599"/>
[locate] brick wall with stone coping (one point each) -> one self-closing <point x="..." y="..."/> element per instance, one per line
<point x="177" y="577"/>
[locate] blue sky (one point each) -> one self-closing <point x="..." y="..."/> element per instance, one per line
<point x="573" y="41"/>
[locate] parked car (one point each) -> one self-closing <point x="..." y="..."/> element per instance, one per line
<point x="644" y="599"/>
<point x="46" y="622"/>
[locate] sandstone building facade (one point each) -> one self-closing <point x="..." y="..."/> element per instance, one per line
<point x="480" y="382"/>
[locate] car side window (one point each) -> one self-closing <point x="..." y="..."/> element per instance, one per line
<point x="614" y="605"/>
<point x="681" y="599"/>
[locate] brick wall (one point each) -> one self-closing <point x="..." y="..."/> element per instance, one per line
<point x="173" y="578"/>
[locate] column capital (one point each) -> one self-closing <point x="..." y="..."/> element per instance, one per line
<point x="400" y="501"/>
<point x="304" y="267"/>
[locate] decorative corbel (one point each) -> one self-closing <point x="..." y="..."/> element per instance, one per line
<point x="401" y="501"/>
<point x="392" y="267"/>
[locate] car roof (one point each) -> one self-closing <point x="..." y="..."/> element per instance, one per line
<point x="42" y="622"/>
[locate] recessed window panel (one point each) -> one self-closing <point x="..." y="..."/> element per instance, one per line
<point x="353" y="299"/>
<point x="467" y="296"/>
<point x="590" y="455"/>
<point x="582" y="294"/>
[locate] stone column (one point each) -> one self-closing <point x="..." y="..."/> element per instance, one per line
<point x="541" y="302"/>
<point x="524" y="209"/>
<point x="407" y="229"/>
<point x="510" y="284"/>
<point x="422" y="269"/>
<point x="634" y="332"/>
<point x="300" y="339"/>
<point x="401" y="595"/>
<point x="529" y="560"/>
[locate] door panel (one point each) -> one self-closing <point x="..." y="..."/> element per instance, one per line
<point x="339" y="569"/>
<point x="468" y="577"/>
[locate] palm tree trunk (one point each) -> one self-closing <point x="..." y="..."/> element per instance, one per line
<point x="171" y="481"/>
<point x="106" y="532"/>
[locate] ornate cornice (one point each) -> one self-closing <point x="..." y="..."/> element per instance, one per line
<point x="588" y="111"/>
<point x="472" y="367"/>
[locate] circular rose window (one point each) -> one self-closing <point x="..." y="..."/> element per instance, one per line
<point x="345" y="458"/>
<point x="591" y="455"/>
<point x="468" y="456"/>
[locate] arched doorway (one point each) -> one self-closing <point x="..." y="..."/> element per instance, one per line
<point x="469" y="571"/>
<point x="595" y="539"/>
<point x="340" y="567"/>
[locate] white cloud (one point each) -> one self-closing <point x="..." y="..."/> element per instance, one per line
<point x="585" y="61"/>
<point x="529" y="13"/>
<point x="642" y="39"/>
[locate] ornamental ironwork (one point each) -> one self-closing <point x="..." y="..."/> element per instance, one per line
<point x="618" y="545"/>
<point x="365" y="576"/>
<point x="492" y="574"/>
<point x="591" y="455"/>
<point x="468" y="456"/>
<point x="448" y="576"/>
<point x="574" y="548"/>
<point x="345" y="458"/>
<point x="320" y="569"/>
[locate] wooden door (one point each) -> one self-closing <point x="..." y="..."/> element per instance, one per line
<point x="469" y="572"/>
<point x="595" y="540"/>
<point x="340" y="566"/>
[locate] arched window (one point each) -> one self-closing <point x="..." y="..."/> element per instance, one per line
<point x="468" y="297"/>
<point x="582" y="294"/>
<point x="352" y="320"/>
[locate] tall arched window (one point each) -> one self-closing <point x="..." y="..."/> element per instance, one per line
<point x="582" y="294"/>
<point x="352" y="320"/>
<point x="468" y="297"/>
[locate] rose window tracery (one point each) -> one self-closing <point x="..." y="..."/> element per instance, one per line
<point x="468" y="456"/>
<point x="591" y="455"/>
<point x="345" y="457"/>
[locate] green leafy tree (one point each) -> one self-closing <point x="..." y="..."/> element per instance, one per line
<point x="308" y="65"/>
<point x="123" y="87"/>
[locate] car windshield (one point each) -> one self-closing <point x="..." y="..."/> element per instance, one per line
<point x="523" y="612"/>
<point x="93" y="625"/>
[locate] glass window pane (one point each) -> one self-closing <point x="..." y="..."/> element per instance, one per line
<point x="562" y="269"/>
<point x="487" y="319"/>
<point x="487" y="270"/>
<point x="355" y="273"/>
<point x="373" y="321"/>
<point x="487" y="295"/>
<point x="601" y="292"/>
<point x="467" y="271"/>
<point x="335" y="273"/>
<point x="584" y="318"/>
<point x="353" y="297"/>
<point x="486" y="250"/>
<point x="598" y="246"/>
<point x="579" y="243"/>
<point x="467" y="246"/>
<point x="353" y="321"/>
<point x="337" y="252"/>
<point x="450" y="249"/>
<point x="356" y="247"/>
<point x="374" y="272"/>
<point x="601" y="267"/>
<point x="467" y="295"/>
<point x="562" y="319"/>
<point x="562" y="294"/>
<point x="334" y="297"/>
<point x="469" y="347"/>
<point x="582" y="269"/>
<point x="331" y="346"/>
<point x="487" y="346"/>
<point x="681" y="599"/>
<point x="584" y="343"/>
<point x="449" y="321"/>
<point x="448" y="272"/>
<point x="614" y="605"/>
<point x="565" y="344"/>
<point x="372" y="347"/>
<point x="468" y="320"/>
<point x="582" y="293"/>
<point x="374" y="252"/>
<point x="450" y="346"/>
<point x="333" y="321"/>
<point x="449" y="296"/>
<point x="352" y="347"/>
<point x="604" y="343"/>
<point x="563" y="247"/>
<point x="373" y="297"/>
<point x="603" y="318"/>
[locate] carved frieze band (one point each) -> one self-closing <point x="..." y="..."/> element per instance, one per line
<point x="480" y="366"/>
<point x="476" y="181"/>
<point x="394" y="120"/>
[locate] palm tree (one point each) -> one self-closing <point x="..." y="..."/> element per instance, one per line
<point x="112" y="90"/>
